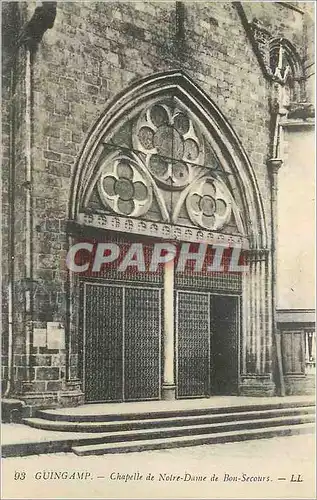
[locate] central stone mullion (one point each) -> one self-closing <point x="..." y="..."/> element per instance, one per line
<point x="168" y="387"/>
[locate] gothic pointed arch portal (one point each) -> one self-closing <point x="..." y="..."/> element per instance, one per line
<point x="162" y="162"/>
<point x="185" y="167"/>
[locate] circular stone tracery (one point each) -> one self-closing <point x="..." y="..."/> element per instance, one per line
<point x="124" y="188"/>
<point x="208" y="204"/>
<point x="166" y="134"/>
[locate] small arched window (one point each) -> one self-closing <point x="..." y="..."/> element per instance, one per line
<point x="286" y="69"/>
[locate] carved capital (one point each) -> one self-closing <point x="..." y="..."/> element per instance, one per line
<point x="274" y="165"/>
<point x="256" y="255"/>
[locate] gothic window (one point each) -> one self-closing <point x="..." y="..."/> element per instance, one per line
<point x="285" y="68"/>
<point x="160" y="166"/>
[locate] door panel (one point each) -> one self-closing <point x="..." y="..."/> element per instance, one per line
<point x="103" y="343"/>
<point x="122" y="335"/>
<point x="224" y="345"/>
<point x="142" y="344"/>
<point x="193" y="339"/>
<point x="293" y="351"/>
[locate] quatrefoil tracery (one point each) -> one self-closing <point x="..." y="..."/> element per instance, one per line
<point x="124" y="187"/>
<point x="170" y="143"/>
<point x="168" y="156"/>
<point x="208" y="204"/>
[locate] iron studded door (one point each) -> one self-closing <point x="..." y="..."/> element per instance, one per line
<point x="142" y="344"/>
<point x="122" y="337"/>
<point x="103" y="342"/>
<point x="193" y="344"/>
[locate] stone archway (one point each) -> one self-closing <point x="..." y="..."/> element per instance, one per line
<point x="163" y="162"/>
<point x="223" y="139"/>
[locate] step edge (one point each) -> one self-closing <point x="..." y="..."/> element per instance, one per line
<point x="285" y="418"/>
<point x="119" y="440"/>
<point x="84" y="419"/>
<point x="67" y="444"/>
<point x="268" y="412"/>
<point x="179" y="412"/>
<point x="176" y="439"/>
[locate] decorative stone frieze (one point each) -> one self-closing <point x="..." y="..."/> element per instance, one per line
<point x="160" y="230"/>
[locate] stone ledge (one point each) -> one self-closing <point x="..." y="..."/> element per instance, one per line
<point x="300" y="110"/>
<point x="300" y="384"/>
<point x="256" y="385"/>
<point x="12" y="410"/>
<point x="34" y="401"/>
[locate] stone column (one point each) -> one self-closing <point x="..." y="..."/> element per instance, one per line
<point x="255" y="313"/>
<point x="168" y="388"/>
<point x="74" y="383"/>
<point x="274" y="165"/>
<point x="263" y="313"/>
<point x="264" y="349"/>
<point x="256" y="343"/>
<point x="28" y="185"/>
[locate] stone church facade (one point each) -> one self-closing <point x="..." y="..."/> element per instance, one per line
<point x="151" y="122"/>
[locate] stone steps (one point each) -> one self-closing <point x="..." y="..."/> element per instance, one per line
<point x="193" y="430"/>
<point x="98" y="429"/>
<point x="183" y="441"/>
<point x="121" y="412"/>
<point x="167" y="421"/>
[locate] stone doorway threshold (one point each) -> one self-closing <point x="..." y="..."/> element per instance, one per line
<point x="174" y="405"/>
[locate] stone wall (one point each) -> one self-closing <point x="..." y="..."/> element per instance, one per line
<point x="13" y="178"/>
<point x="309" y="54"/>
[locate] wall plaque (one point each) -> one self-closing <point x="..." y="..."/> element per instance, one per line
<point x="55" y="336"/>
<point x="39" y="337"/>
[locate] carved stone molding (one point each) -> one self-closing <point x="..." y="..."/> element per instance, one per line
<point x="300" y="110"/>
<point x="256" y="255"/>
<point x="277" y="56"/>
<point x="274" y="164"/>
<point x="160" y="230"/>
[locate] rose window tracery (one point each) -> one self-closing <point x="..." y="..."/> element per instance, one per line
<point x="171" y="144"/>
<point x="166" y="173"/>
